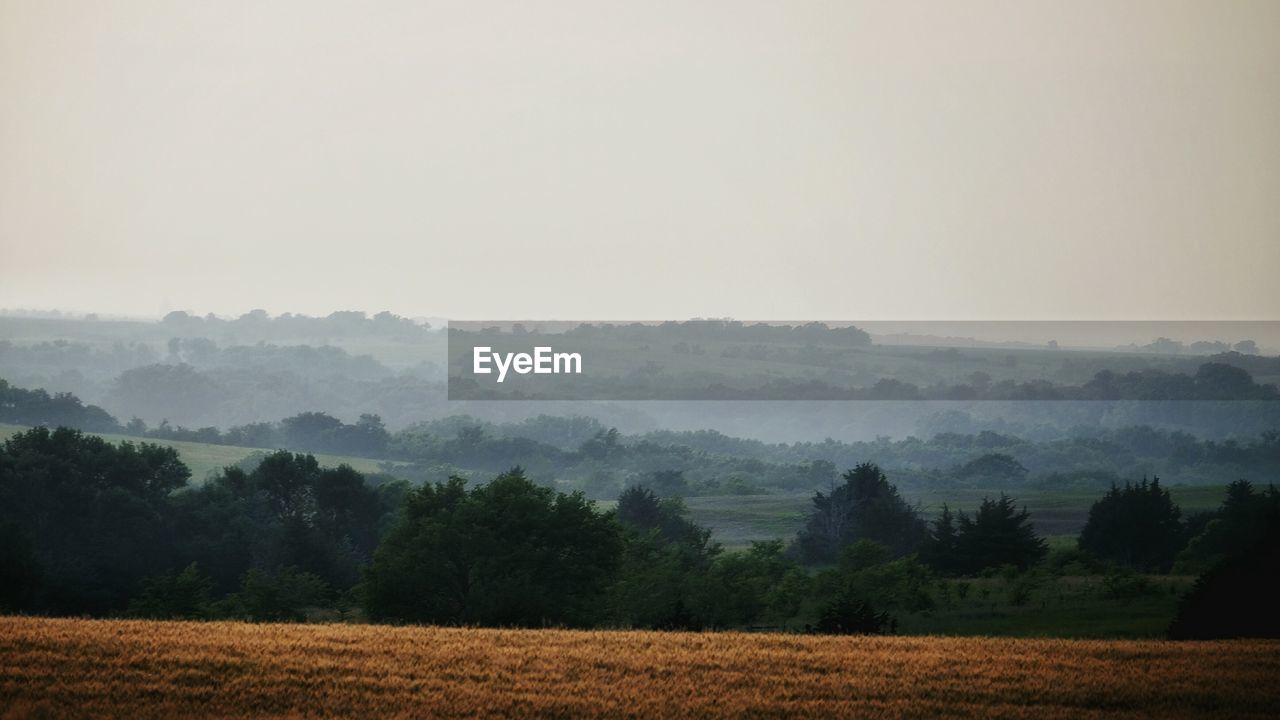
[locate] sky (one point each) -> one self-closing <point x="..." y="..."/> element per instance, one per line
<point x="1022" y="159"/>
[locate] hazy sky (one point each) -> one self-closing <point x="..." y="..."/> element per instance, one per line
<point x="942" y="160"/>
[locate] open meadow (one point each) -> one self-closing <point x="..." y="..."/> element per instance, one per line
<point x="147" y="669"/>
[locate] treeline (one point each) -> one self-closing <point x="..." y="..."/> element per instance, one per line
<point x="692" y="331"/>
<point x="1211" y="382"/>
<point x="89" y="527"/>
<point x="1093" y="458"/>
<point x="1167" y="346"/>
<point x="254" y="322"/>
<point x="585" y="454"/>
<point x="37" y="407"/>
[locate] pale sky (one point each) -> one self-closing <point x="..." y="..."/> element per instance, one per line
<point x="1083" y="159"/>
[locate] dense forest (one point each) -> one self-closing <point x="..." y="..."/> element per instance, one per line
<point x="92" y="527"/>
<point x="577" y="513"/>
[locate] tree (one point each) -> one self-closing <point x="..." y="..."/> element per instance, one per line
<point x="287" y="512"/>
<point x="179" y="392"/>
<point x="310" y="430"/>
<point x="865" y="506"/>
<point x="95" y="514"/>
<point x="663" y="580"/>
<point x="997" y="535"/>
<point x="669" y="483"/>
<point x="508" y="552"/>
<point x="602" y="444"/>
<point x="37" y="407"/>
<point x="1137" y="525"/>
<point x="1242" y="521"/>
<point x="186" y="595"/>
<point x="866" y="572"/>
<point x="760" y="585"/>
<point x="639" y="508"/>
<point x="993" y="467"/>
<point x="279" y="596"/>
<point x="848" y="615"/>
<point x="940" y="550"/>
<point x="1238" y="596"/>
<point x="19" y="570"/>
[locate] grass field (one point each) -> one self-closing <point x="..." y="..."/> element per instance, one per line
<point x="144" y="669"/>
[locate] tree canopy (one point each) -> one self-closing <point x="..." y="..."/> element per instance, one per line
<point x="507" y="552"/>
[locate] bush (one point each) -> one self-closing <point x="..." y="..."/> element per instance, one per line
<point x="847" y="615"/>
<point x="185" y="595"/>
<point x="280" y="596"/>
<point x="1127" y="585"/>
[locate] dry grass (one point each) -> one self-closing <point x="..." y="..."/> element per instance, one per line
<point x="139" y="669"/>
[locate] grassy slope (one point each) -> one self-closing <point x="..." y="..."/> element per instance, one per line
<point x="204" y="459"/>
<point x="141" y="669"/>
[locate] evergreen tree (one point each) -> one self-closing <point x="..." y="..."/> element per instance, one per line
<point x="998" y="534"/>
<point x="846" y="614"/>
<point x="867" y="506"/>
<point x="1243" y="519"/>
<point x="1137" y="525"/>
<point x="939" y="550"/>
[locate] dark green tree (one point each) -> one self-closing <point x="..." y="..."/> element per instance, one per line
<point x="281" y="595"/>
<point x="1137" y="525"/>
<point x="866" y="506"/>
<point x="95" y="514"/>
<point x="287" y="512"/>
<point x="1243" y="519"/>
<point x="998" y="534"/>
<point x="185" y="595"/>
<point x="663" y="578"/>
<point x="940" y="549"/>
<point x="508" y="552"/>
<point x="760" y="586"/>
<point x="640" y="509"/>
<point x="19" y="570"/>
<point x="847" y="614"/>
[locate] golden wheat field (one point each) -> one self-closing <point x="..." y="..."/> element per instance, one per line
<point x="142" y="669"/>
